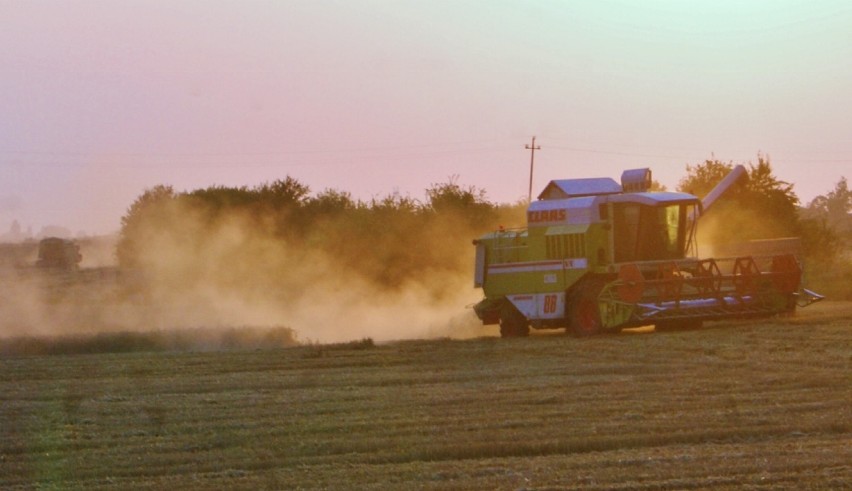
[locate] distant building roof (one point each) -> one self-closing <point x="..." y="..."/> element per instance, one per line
<point x="575" y="188"/>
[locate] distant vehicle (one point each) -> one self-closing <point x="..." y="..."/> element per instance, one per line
<point x="59" y="254"/>
<point x="600" y="256"/>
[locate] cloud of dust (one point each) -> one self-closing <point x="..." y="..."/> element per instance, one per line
<point x="98" y="252"/>
<point x="727" y="230"/>
<point x="196" y="273"/>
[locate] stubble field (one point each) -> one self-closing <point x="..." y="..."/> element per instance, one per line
<point x="731" y="406"/>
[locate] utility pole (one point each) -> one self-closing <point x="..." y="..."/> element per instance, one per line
<point x="532" y="148"/>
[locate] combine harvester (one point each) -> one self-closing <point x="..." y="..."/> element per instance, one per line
<point x="598" y="257"/>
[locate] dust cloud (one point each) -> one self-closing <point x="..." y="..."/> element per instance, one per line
<point x="194" y="274"/>
<point x="728" y="231"/>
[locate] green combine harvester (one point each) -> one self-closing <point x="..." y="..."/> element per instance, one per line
<point x="598" y="256"/>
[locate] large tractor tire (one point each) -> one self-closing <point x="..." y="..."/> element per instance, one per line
<point x="513" y="324"/>
<point x="583" y="310"/>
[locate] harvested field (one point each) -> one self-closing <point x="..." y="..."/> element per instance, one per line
<point x="731" y="406"/>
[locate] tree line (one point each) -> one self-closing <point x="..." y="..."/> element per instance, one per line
<point x="389" y="240"/>
<point x="393" y="239"/>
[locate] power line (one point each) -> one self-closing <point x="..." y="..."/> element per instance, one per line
<point x="426" y="150"/>
<point x="610" y="152"/>
<point x="447" y="146"/>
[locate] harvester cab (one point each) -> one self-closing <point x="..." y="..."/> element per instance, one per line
<point x="598" y="256"/>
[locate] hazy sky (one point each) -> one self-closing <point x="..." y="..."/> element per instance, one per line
<point x="100" y="100"/>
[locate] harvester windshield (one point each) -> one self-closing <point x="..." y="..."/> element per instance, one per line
<point x="648" y="233"/>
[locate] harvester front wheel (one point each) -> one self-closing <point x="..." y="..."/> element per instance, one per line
<point x="584" y="311"/>
<point x="513" y="324"/>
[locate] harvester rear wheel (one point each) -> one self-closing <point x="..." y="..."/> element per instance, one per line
<point x="513" y="324"/>
<point x="584" y="311"/>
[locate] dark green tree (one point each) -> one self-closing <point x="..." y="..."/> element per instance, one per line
<point x="763" y="207"/>
<point x="286" y="193"/>
<point x="827" y="235"/>
<point x="451" y="195"/>
<point x="834" y="207"/>
<point x="330" y="202"/>
<point x="701" y="178"/>
<point x="771" y="198"/>
<point x="465" y="203"/>
<point x="216" y="198"/>
<point x="150" y="206"/>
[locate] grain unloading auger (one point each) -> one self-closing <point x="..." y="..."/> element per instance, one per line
<point x="601" y="256"/>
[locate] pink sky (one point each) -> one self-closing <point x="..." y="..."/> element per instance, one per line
<point x="100" y="100"/>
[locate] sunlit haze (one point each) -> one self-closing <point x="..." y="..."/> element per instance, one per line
<point x="100" y="100"/>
